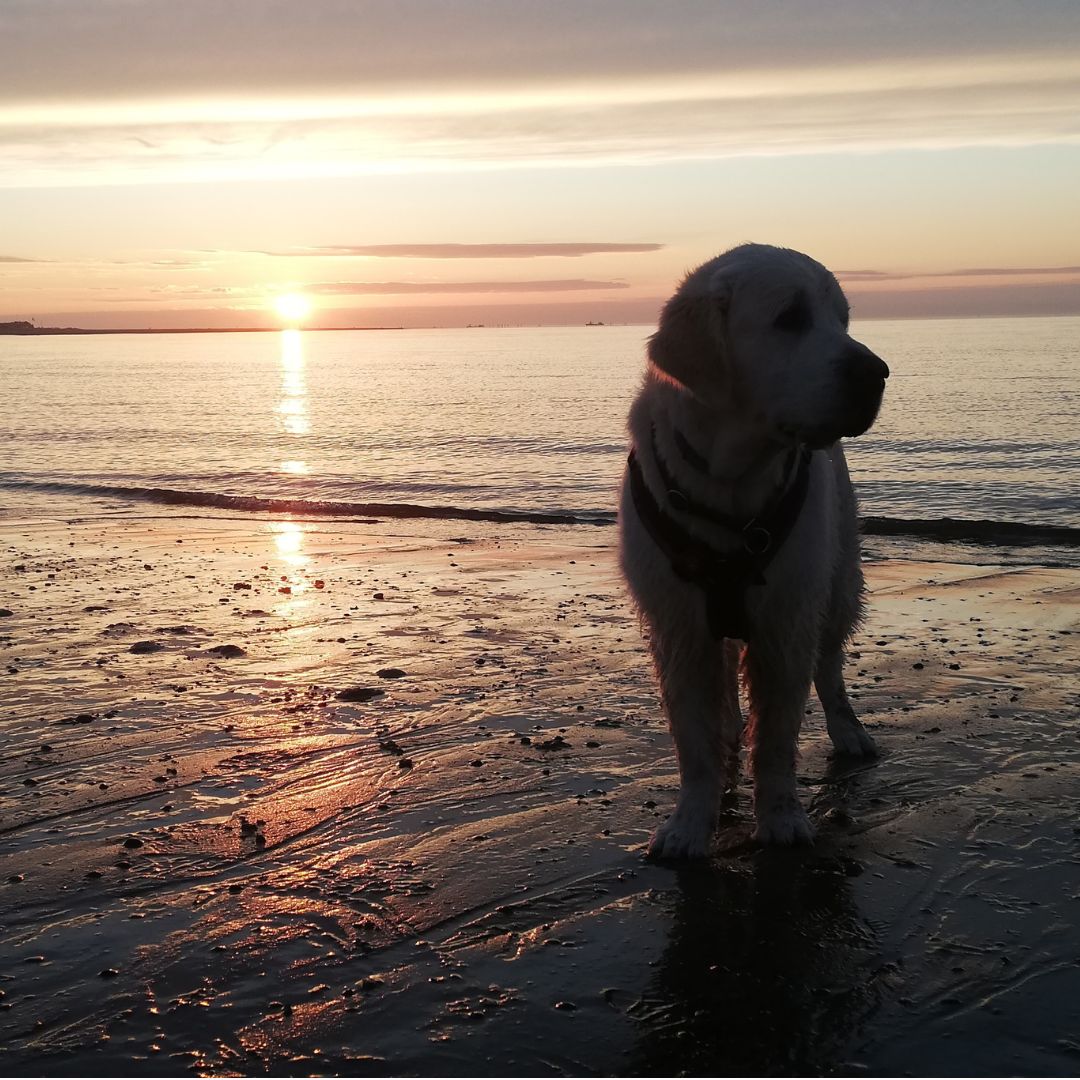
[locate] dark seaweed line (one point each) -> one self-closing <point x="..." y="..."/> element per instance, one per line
<point x="307" y="507"/>
<point x="984" y="531"/>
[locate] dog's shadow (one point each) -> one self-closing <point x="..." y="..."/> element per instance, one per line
<point x="768" y="970"/>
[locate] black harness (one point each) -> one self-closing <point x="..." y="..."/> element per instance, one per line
<point x="723" y="577"/>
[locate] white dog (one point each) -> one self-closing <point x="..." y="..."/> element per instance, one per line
<point x="739" y="530"/>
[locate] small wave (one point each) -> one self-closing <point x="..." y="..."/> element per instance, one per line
<point x="310" y="507"/>
<point x="944" y="529"/>
<point x="1004" y="533"/>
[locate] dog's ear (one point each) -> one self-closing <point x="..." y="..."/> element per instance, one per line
<point x="688" y="345"/>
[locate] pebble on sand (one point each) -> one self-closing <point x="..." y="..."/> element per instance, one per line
<point x="227" y="652"/>
<point x="359" y="693"/>
<point x="390" y="673"/>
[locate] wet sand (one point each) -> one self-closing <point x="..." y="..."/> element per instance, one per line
<point x="371" y="798"/>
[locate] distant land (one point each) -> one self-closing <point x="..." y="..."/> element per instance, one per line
<point x="28" y="329"/>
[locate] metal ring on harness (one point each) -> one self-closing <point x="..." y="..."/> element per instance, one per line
<point x="756" y="539"/>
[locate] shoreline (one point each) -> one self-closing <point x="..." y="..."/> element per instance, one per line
<point x="212" y="861"/>
<point x="994" y="536"/>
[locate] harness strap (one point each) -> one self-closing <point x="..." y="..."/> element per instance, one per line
<point x="684" y="503"/>
<point x="722" y="577"/>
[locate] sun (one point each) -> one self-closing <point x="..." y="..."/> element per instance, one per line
<point x="292" y="307"/>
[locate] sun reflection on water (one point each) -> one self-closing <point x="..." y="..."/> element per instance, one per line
<point x="293" y="407"/>
<point x="289" y="536"/>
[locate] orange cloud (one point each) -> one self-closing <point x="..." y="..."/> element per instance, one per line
<point x="467" y="251"/>
<point x="985" y="271"/>
<point x="347" y="288"/>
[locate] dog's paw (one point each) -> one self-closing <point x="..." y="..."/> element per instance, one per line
<point x="783" y="822"/>
<point x="685" y="835"/>
<point x="850" y="739"/>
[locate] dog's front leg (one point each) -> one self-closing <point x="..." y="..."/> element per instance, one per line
<point x="778" y="683"/>
<point x="698" y="685"/>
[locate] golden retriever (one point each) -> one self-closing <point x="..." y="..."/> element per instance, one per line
<point x="738" y="529"/>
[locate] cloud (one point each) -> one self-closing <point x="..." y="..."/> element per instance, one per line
<point x="148" y="263"/>
<point x="874" y="276"/>
<point x="16" y="259"/>
<point x="127" y="294"/>
<point x="865" y="275"/>
<point x="347" y="288"/>
<point x="970" y="302"/>
<point x="465" y="251"/>
<point x="159" y="48"/>
<point x="199" y="290"/>
<point x="264" y="89"/>
<point x="634" y="124"/>
<point x="1016" y="271"/>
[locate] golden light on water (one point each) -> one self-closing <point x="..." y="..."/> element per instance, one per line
<point x="288" y="536"/>
<point x="292" y="308"/>
<point x="293" y="405"/>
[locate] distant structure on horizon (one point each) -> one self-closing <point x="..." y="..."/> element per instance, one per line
<point x="28" y="328"/>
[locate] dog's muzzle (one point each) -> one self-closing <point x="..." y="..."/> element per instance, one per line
<point x="862" y="378"/>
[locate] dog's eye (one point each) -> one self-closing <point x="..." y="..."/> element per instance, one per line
<point x="795" y="318"/>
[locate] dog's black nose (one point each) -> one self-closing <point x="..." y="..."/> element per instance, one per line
<point x="863" y="371"/>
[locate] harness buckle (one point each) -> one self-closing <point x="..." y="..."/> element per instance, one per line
<point x="756" y="539"/>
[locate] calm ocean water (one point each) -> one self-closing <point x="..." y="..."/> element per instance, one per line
<point x="980" y="423"/>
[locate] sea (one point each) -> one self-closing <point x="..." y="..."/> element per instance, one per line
<point x="975" y="455"/>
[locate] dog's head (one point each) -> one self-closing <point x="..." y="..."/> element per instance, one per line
<point x="764" y="331"/>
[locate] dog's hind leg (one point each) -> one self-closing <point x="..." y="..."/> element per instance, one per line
<point x="849" y="737"/>
<point x="777" y="683"/>
<point x="731" y="718"/>
<point x="699" y="690"/>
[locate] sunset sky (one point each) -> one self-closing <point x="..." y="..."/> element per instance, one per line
<point x="436" y="163"/>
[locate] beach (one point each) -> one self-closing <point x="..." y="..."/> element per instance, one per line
<point x="299" y="796"/>
<point x="334" y="337"/>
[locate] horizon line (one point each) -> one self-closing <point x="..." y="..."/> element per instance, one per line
<point x="77" y="331"/>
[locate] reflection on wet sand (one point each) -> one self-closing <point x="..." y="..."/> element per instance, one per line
<point x="289" y="555"/>
<point x="213" y="859"/>
<point x="289" y="541"/>
<point x="769" y="970"/>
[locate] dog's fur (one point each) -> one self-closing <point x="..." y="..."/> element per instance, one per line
<point x="752" y="358"/>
